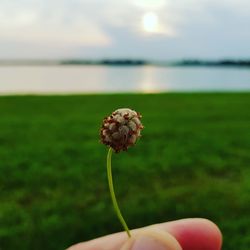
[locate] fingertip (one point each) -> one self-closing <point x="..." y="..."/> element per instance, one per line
<point x="214" y="232"/>
<point x="197" y="234"/>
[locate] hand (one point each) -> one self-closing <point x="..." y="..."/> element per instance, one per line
<point x="186" y="234"/>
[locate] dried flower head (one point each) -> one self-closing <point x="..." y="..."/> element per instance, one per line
<point x="121" y="129"/>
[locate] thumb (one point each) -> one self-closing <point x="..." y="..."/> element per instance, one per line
<point x="152" y="240"/>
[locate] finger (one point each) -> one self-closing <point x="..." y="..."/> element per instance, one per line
<point x="151" y="240"/>
<point x="192" y="234"/>
<point x="195" y="234"/>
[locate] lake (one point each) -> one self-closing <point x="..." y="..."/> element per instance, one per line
<point x="101" y="79"/>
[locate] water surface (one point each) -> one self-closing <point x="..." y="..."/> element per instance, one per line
<point x="100" y="79"/>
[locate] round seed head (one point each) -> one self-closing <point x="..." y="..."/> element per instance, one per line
<point x="121" y="129"/>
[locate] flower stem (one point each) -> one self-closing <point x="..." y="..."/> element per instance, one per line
<point x="112" y="193"/>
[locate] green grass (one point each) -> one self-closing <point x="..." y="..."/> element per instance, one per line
<point x="192" y="161"/>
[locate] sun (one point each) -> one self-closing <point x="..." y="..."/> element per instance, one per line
<point x="150" y="22"/>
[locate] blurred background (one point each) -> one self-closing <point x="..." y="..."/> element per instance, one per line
<point x="65" y="65"/>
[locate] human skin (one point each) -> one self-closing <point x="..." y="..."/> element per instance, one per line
<point x="191" y="234"/>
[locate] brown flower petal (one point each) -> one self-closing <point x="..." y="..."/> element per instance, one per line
<point x="121" y="129"/>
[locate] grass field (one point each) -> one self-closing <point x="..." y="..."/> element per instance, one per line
<point x="192" y="161"/>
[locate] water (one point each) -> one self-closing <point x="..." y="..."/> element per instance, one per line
<point x="100" y="79"/>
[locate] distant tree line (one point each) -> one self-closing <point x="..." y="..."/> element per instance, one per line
<point x="132" y="62"/>
<point x="118" y="62"/>
<point x="245" y="63"/>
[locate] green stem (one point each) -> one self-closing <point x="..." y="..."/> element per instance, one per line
<point x="112" y="193"/>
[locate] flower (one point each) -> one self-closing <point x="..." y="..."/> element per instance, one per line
<point x="121" y="129"/>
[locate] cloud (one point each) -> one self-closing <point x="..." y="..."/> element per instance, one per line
<point x="49" y="24"/>
<point x="150" y="4"/>
<point x="98" y="28"/>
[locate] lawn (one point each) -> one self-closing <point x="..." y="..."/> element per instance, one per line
<point x="192" y="161"/>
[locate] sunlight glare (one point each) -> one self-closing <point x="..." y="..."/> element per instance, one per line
<point x="150" y="22"/>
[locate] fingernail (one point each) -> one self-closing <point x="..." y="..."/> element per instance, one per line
<point x="148" y="243"/>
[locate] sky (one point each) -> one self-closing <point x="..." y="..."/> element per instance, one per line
<point x="144" y="29"/>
